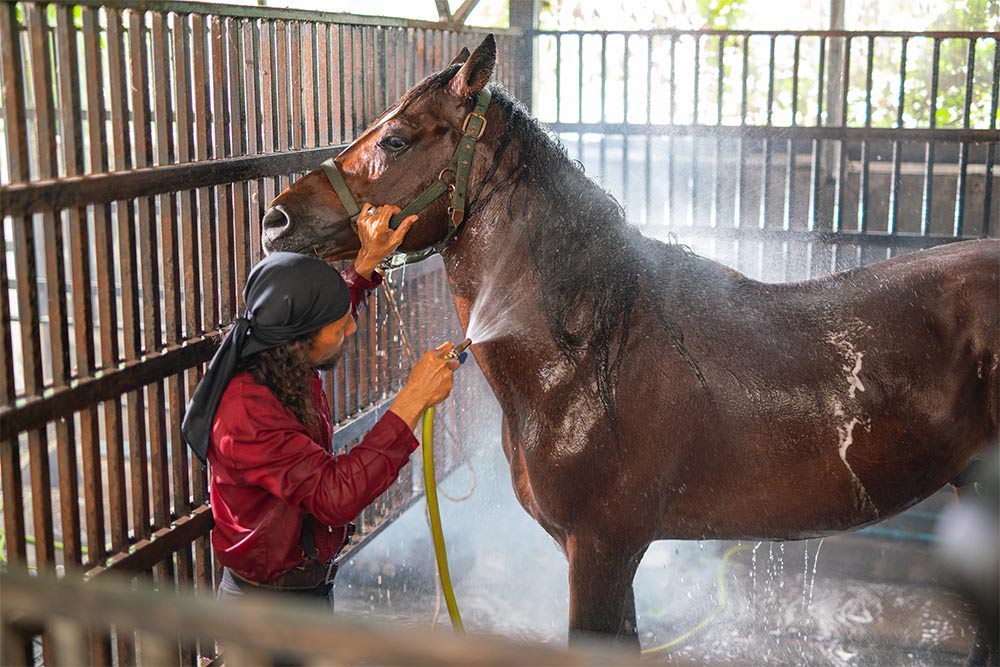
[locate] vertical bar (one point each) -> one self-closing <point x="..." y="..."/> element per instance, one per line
<point x="308" y="84"/>
<point x="243" y="219"/>
<point x="204" y="216"/>
<point x="991" y="147"/>
<point x="323" y="94"/>
<point x="863" y="199"/>
<point x="558" y="78"/>
<point x="963" y="147"/>
<point x="27" y="288"/>
<point x="161" y="471"/>
<point x="15" y="125"/>
<point x="221" y="147"/>
<point x="790" y="145"/>
<point x="717" y="162"/>
<point x="925" y="213"/>
<point x="647" y="164"/>
<point x="625" y="136"/>
<point x="670" y="138"/>
<point x="692" y="208"/>
<point x="579" y="97"/>
<point x="72" y="150"/>
<point x="281" y="78"/>
<point x="740" y="158"/>
<point x="765" y="178"/>
<point x="602" y="153"/>
<point x="894" y="185"/>
<point x="842" y="152"/>
<point x="252" y="105"/>
<point x="107" y="314"/>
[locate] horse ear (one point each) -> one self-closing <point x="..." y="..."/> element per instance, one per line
<point x="476" y="71"/>
<point x="462" y="56"/>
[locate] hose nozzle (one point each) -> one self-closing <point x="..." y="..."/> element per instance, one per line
<point x="459" y="349"/>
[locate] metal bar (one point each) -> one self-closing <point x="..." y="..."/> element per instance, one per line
<point x="68" y="72"/>
<point x="740" y="157"/>
<point x="991" y="147"/>
<point x="817" y="147"/>
<point x="602" y="151"/>
<point x="939" y="34"/>
<point x="863" y="199"/>
<point x="963" y="155"/>
<point x="895" y="184"/>
<point x="765" y="179"/>
<point x="243" y="217"/>
<point x="720" y="92"/>
<point x="625" y="137"/>
<point x="670" y="119"/>
<point x="308" y="84"/>
<point x="925" y="213"/>
<point x="790" y="144"/>
<point x="558" y="77"/>
<point x="158" y="545"/>
<point x="276" y="13"/>
<point x="222" y="256"/>
<point x="107" y="312"/>
<point x="693" y="206"/>
<point x="838" y="204"/>
<point x="17" y="160"/>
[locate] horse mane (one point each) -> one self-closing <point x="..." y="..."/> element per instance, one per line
<point x="593" y="265"/>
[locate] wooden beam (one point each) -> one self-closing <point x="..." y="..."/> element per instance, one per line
<point x="462" y="14"/>
<point x="444" y="12"/>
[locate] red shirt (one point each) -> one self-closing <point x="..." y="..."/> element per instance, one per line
<point x="268" y="469"/>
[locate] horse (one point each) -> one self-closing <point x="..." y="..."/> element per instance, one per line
<point x="649" y="393"/>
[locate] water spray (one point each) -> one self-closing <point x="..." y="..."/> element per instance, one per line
<point x="433" y="509"/>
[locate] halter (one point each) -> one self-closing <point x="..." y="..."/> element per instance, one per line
<point x="459" y="167"/>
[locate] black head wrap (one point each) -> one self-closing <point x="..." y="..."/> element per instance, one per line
<point x="288" y="296"/>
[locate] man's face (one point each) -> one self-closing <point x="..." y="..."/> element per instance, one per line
<point x="328" y="345"/>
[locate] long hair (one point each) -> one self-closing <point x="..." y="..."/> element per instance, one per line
<point x="286" y="370"/>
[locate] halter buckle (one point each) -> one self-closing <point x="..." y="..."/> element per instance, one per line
<point x="482" y="126"/>
<point x="455" y="216"/>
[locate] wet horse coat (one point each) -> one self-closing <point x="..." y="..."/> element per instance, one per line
<point x="649" y="393"/>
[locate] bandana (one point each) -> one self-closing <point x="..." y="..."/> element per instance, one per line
<point x="288" y="296"/>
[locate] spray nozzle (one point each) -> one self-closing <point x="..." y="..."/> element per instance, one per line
<point x="457" y="351"/>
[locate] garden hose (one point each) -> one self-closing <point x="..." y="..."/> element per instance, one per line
<point x="437" y="532"/>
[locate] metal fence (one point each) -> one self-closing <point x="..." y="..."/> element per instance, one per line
<point x="788" y="154"/>
<point x="141" y="143"/>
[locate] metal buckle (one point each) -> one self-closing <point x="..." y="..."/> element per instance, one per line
<point x="482" y="128"/>
<point x="455" y="216"/>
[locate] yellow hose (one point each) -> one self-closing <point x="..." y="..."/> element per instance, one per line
<point x="430" y="484"/>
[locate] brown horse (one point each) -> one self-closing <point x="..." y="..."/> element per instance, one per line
<point x="649" y="393"/>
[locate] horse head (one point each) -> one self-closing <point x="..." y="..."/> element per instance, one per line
<point x="413" y="153"/>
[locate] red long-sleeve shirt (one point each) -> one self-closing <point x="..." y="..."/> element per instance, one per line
<point x="268" y="469"/>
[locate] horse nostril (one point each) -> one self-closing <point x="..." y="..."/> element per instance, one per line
<point x="275" y="221"/>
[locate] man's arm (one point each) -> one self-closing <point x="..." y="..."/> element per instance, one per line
<point x="274" y="452"/>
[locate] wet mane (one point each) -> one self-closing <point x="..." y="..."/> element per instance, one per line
<point x="593" y="265"/>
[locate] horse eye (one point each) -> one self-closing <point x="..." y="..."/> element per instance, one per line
<point x="393" y="143"/>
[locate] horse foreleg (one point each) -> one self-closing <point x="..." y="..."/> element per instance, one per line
<point x="601" y="601"/>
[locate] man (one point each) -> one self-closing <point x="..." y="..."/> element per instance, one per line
<point x="282" y="502"/>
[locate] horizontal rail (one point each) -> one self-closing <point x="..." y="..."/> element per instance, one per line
<point x="279" y="13"/>
<point x="36" y="411"/>
<point x="256" y="630"/>
<point x="146" y="553"/>
<point x="901" y="134"/>
<point x="62" y="193"/>
<point x="932" y="34"/>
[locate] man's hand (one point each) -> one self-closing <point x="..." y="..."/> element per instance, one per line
<point x="429" y="383"/>
<point x="377" y="240"/>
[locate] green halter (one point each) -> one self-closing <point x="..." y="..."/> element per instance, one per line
<point x="459" y="167"/>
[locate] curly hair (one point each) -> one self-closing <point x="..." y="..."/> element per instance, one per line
<point x="285" y="371"/>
